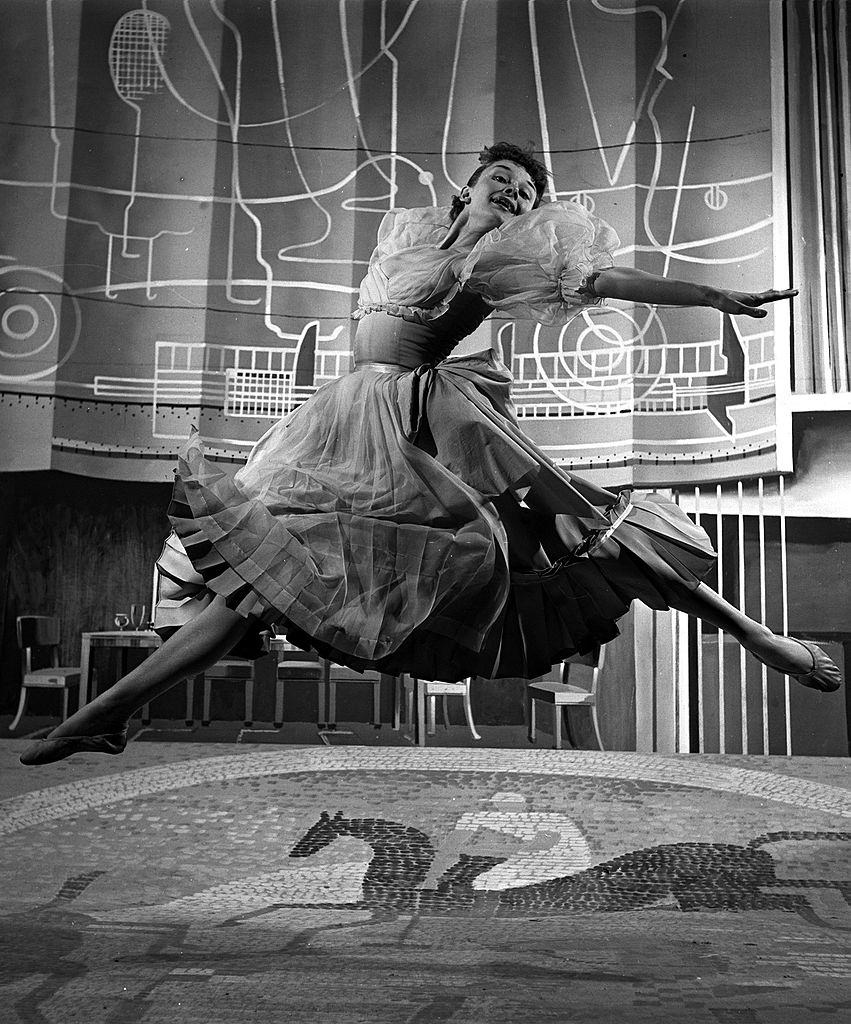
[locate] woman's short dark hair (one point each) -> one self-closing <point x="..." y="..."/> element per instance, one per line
<point x="525" y="158"/>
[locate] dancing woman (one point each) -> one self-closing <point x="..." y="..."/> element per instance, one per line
<point x="400" y="520"/>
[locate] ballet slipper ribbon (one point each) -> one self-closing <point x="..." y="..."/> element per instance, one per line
<point x="616" y="523"/>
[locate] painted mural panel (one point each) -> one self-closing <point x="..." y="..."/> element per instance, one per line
<point x="190" y="192"/>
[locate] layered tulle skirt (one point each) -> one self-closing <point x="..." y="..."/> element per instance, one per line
<point x="401" y="520"/>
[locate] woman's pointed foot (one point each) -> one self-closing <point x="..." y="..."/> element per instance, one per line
<point x="57" y="748"/>
<point x="824" y="675"/>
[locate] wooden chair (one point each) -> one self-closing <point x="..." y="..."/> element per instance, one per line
<point x="566" y="694"/>
<point x="231" y="670"/>
<point x="41" y="633"/>
<point x="433" y="689"/>
<point x="189" y="717"/>
<point x="297" y="665"/>
<point x="340" y="675"/>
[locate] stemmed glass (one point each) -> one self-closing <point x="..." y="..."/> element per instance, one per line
<point x="122" y="620"/>
<point x="137" y="615"/>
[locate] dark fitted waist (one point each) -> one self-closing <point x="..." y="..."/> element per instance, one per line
<point x="394" y="341"/>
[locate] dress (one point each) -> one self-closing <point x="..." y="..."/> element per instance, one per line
<point x="400" y="519"/>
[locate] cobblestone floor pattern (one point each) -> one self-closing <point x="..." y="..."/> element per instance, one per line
<point x="178" y="883"/>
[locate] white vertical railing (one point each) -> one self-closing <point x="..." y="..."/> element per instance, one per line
<point x="762" y="613"/>
<point x="701" y="732"/>
<point x="722" y="697"/>
<point x="743" y="674"/>
<point x="711" y="693"/>
<point x="784" y="596"/>
<point x="681" y="661"/>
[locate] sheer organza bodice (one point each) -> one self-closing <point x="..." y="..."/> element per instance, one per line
<point x="419" y="299"/>
<point x="535" y="267"/>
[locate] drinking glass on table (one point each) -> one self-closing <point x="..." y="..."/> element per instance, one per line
<point x="121" y="620"/>
<point x="137" y="615"/>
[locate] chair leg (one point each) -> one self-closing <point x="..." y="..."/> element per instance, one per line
<point x="332" y="704"/>
<point x="145" y="714"/>
<point x="468" y="711"/>
<point x="432" y="714"/>
<point x="190" y="701"/>
<point x="596" y="726"/>
<point x="409" y="705"/>
<point x="324" y="681"/>
<point x="420" y="713"/>
<point x="397" y="702"/>
<point x="530" y="707"/>
<point x="557" y="713"/>
<point x="444" y="707"/>
<point x="279" y="703"/>
<point x="22" y="705"/>
<point x="571" y="736"/>
<point x="248" y="721"/>
<point x="64" y="704"/>
<point x="205" y="714"/>
<point x="376" y="702"/>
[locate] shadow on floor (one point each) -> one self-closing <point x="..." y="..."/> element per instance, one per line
<point x="506" y="737"/>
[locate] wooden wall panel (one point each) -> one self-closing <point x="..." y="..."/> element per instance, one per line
<point x="79" y="548"/>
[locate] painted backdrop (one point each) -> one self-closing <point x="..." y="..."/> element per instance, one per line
<point x="190" y="192"/>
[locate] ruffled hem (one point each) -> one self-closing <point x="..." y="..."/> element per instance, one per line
<point x="547" y="615"/>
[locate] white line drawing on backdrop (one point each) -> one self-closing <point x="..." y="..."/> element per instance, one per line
<point x="562" y="377"/>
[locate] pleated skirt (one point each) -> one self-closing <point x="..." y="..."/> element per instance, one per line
<point x="401" y="521"/>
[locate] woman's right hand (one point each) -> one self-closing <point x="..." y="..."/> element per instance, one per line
<point x="748" y="303"/>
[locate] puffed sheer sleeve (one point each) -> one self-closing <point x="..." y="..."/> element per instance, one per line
<point x="540" y="266"/>
<point x="406" y="228"/>
<point x="408" y="272"/>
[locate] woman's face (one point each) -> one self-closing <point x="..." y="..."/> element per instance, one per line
<point x="503" y="191"/>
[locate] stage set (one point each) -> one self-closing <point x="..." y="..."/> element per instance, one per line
<point x="189" y="197"/>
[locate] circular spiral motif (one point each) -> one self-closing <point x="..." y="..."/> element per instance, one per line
<point x="605" y="370"/>
<point x="25" y="313"/>
<point x="33" y="303"/>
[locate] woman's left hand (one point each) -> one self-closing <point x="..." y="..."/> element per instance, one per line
<point x="748" y="303"/>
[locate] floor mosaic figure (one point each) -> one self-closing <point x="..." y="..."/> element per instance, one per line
<point x="696" y="876"/>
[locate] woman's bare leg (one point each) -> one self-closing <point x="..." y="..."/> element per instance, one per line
<point x="196" y="646"/>
<point x="779" y="652"/>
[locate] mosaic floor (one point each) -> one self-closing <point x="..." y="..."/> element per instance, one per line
<point x="189" y="882"/>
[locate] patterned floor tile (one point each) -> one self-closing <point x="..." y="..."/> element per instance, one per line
<point x="397" y="884"/>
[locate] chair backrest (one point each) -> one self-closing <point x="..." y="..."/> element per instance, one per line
<point x="37" y="631"/>
<point x="589" y="667"/>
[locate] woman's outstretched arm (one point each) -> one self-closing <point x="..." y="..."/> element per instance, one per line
<point x="638" y="286"/>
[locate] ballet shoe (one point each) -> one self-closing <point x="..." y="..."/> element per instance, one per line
<point x="824" y="675"/>
<point x="59" y="747"/>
